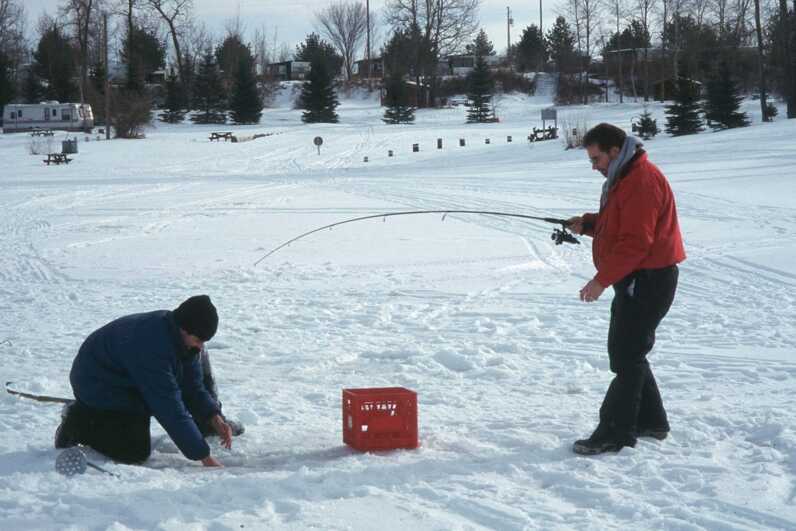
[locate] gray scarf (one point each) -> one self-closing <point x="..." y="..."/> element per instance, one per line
<point x="627" y="152"/>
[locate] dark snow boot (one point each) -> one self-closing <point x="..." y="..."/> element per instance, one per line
<point x="601" y="441"/>
<point x="655" y="433"/>
<point x="594" y="447"/>
<point x="65" y="434"/>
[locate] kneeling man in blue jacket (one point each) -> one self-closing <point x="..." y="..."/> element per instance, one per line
<point x="140" y="366"/>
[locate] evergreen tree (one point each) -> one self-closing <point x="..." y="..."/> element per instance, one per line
<point x="316" y="49"/>
<point x="398" y="52"/>
<point x="96" y="78"/>
<point x="561" y="42"/>
<point x="412" y="55"/>
<point x="143" y="53"/>
<point x="208" y="95"/>
<point x="174" y="106"/>
<point x="188" y="80"/>
<point x="397" y="101"/>
<point x="683" y="115"/>
<point x="54" y="63"/>
<point x="318" y="97"/>
<point x="531" y="52"/>
<point x="480" y="83"/>
<point x="481" y="46"/>
<point x="647" y="125"/>
<point x="32" y="89"/>
<point x="723" y="101"/>
<point x="7" y="85"/>
<point x="229" y="55"/>
<point x="246" y="105"/>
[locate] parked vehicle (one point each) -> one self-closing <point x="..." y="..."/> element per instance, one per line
<point x="48" y="115"/>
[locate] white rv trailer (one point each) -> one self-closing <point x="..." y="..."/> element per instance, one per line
<point x="48" y="115"/>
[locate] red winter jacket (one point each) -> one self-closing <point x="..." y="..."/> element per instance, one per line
<point x="637" y="228"/>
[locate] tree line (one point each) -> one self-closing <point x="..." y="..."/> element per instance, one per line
<point x="642" y="46"/>
<point x="646" y="46"/>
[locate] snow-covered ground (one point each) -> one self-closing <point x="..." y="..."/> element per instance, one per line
<point x="479" y="315"/>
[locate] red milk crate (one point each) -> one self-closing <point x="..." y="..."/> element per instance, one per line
<point x="382" y="418"/>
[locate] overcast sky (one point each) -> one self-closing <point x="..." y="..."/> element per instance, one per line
<point x="293" y="19"/>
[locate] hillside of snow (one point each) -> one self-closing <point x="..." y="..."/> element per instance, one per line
<point x="479" y="315"/>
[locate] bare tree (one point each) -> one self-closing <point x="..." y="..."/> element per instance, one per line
<point x="80" y="12"/>
<point x="785" y="28"/>
<point x="263" y="52"/>
<point x="644" y="10"/>
<point x="742" y="10"/>
<point x="671" y="9"/>
<point x="176" y="14"/>
<point x="345" y="25"/>
<point x="618" y="8"/>
<point x="761" y="60"/>
<point x="12" y="29"/>
<point x="197" y="39"/>
<point x="447" y="24"/>
<point x="699" y="10"/>
<point x="285" y="53"/>
<point x="586" y="16"/>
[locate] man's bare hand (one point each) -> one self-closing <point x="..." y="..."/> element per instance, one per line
<point x="211" y="461"/>
<point x="223" y="430"/>
<point x="591" y="291"/>
<point x="575" y="224"/>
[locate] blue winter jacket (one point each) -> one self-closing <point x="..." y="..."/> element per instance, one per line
<point x="139" y="364"/>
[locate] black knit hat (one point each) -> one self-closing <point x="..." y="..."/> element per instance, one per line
<point x="198" y="317"/>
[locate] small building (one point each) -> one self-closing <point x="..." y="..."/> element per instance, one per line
<point x="289" y="70"/>
<point x="158" y="77"/>
<point x="360" y="68"/>
<point x="417" y="95"/>
<point x="664" y="89"/>
<point x="461" y="65"/>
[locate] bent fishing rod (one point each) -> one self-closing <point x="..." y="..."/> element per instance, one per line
<point x="39" y="398"/>
<point x="559" y="236"/>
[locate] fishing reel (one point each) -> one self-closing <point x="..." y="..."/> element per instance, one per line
<point x="563" y="236"/>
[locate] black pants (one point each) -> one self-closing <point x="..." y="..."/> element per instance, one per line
<point x="124" y="437"/>
<point x="633" y="402"/>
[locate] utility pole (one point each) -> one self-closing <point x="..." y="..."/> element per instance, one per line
<point x="107" y="78"/>
<point x="509" y="22"/>
<point x="540" y="18"/>
<point x="367" y="45"/>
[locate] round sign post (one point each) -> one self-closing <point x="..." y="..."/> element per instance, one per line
<point x="318" y="142"/>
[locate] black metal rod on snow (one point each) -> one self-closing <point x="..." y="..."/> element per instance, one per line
<point x="566" y="236"/>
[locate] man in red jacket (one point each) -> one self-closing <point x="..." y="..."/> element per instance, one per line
<point x="637" y="246"/>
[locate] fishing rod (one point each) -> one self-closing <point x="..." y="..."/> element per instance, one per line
<point x="559" y="236"/>
<point x="38" y="398"/>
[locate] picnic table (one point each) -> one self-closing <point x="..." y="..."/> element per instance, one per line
<point x="57" y="158"/>
<point x="42" y="132"/>
<point x="226" y="135"/>
<point x="550" y="133"/>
